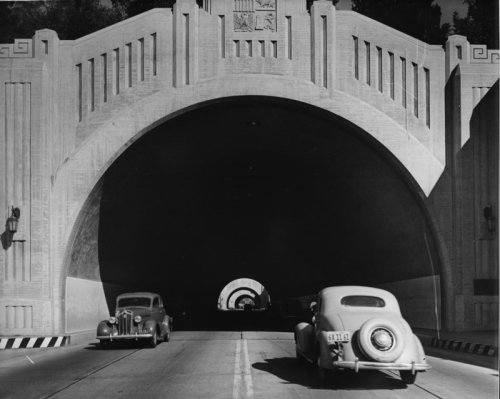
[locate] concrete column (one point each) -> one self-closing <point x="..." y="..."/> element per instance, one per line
<point x="185" y="13"/>
<point x="457" y="52"/>
<point x="323" y="43"/>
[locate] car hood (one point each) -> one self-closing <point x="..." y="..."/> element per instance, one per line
<point x="143" y="312"/>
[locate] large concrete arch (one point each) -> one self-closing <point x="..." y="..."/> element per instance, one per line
<point x="79" y="176"/>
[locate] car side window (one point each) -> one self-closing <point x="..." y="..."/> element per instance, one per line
<point x="156" y="303"/>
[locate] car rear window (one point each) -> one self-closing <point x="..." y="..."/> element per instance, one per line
<point x="363" y="300"/>
<point x="137" y="302"/>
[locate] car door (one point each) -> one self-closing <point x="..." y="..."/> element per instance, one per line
<point x="162" y="318"/>
<point x="156" y="311"/>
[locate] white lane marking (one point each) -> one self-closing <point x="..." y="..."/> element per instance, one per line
<point x="248" y="371"/>
<point x="31" y="361"/>
<point x="237" y="371"/>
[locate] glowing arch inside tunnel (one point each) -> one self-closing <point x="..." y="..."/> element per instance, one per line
<point x="243" y="292"/>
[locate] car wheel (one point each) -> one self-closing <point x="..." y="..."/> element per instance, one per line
<point x="381" y="340"/>
<point x="167" y="337"/>
<point x="299" y="356"/>
<point x="153" y="340"/>
<point x="408" y="377"/>
<point x="325" y="376"/>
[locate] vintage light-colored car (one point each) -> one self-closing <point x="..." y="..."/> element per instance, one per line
<point x="359" y="328"/>
<point x="138" y="316"/>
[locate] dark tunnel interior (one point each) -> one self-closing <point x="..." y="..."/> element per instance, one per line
<point x="261" y="188"/>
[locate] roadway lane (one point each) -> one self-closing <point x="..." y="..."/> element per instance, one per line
<point x="218" y="365"/>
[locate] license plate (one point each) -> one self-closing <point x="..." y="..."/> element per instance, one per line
<point x="338" y="336"/>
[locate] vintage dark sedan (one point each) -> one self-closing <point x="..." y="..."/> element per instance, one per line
<point x="139" y="316"/>
<point x="359" y="328"/>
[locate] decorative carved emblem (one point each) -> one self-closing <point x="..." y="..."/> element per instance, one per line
<point x="268" y="4"/>
<point x="244" y="21"/>
<point x="251" y="15"/>
<point x="266" y="21"/>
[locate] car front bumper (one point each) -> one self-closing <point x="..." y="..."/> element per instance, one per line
<point x="362" y="365"/>
<point x="120" y="337"/>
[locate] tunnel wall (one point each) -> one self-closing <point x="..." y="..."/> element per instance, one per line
<point x="84" y="299"/>
<point x="468" y="185"/>
<point x="419" y="300"/>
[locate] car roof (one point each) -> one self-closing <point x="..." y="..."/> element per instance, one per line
<point x="343" y="290"/>
<point x="137" y="294"/>
<point x="333" y="295"/>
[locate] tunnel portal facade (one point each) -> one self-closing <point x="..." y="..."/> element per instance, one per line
<point x="70" y="110"/>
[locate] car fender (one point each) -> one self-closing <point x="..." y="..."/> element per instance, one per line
<point x="150" y="325"/>
<point x="165" y="325"/>
<point x="323" y="351"/>
<point x="304" y="339"/>
<point x="420" y="350"/>
<point x="104" y="328"/>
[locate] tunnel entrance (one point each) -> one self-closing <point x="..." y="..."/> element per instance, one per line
<point x="279" y="191"/>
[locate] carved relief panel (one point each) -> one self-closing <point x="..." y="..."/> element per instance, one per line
<point x="254" y="15"/>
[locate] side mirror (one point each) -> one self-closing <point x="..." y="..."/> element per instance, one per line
<point x="313" y="306"/>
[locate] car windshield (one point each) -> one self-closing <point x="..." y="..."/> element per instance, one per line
<point x="134" y="302"/>
<point x="363" y="300"/>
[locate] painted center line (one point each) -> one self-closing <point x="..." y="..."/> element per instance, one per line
<point x="242" y="384"/>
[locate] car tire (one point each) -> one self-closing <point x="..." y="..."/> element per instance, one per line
<point x="299" y="356"/>
<point x="325" y="376"/>
<point x="367" y="346"/>
<point x="153" y="341"/>
<point x="167" y="337"/>
<point x="407" y="376"/>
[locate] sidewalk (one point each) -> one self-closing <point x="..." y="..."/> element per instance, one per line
<point x="477" y="342"/>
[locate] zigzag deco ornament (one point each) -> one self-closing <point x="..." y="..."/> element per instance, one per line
<point x="22" y="48"/>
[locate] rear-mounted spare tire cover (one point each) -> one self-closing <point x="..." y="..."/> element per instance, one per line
<point x="381" y="340"/>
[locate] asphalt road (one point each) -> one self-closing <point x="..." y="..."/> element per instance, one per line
<point x="218" y="365"/>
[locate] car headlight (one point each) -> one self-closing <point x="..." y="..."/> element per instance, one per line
<point x="112" y="320"/>
<point x="137" y="319"/>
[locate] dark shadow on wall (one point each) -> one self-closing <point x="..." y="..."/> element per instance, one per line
<point x="457" y="203"/>
<point x="6" y="239"/>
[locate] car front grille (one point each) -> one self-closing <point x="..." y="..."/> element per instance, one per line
<point x="125" y="322"/>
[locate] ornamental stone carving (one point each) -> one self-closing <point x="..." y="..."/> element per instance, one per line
<point x="251" y="15"/>
<point x="266" y="4"/>
<point x="244" y="21"/>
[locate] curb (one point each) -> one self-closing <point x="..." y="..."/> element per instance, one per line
<point x="467" y="347"/>
<point x="33" y="342"/>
